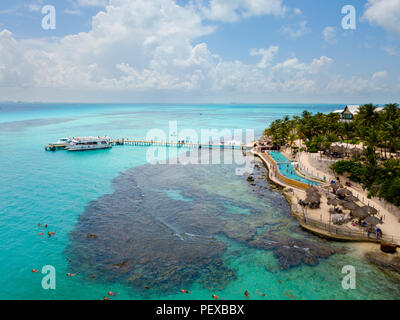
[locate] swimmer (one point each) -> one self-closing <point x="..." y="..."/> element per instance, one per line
<point x="35" y="270"/>
<point x="41" y="234"/>
<point x="246" y="294"/>
<point x="72" y="274"/>
<point x="215" y="297"/>
<point x="184" y="291"/>
<point x="112" y="294"/>
<point x="260" y="293"/>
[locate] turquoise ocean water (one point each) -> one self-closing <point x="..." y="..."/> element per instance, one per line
<point x="77" y="194"/>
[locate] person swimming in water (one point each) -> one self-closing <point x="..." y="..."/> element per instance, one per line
<point x="72" y="274"/>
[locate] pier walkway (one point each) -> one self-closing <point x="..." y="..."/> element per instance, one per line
<point x="193" y="145"/>
<point x="168" y="144"/>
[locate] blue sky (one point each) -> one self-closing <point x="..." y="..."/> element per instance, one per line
<point x="200" y="50"/>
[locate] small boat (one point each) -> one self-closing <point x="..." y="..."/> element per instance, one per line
<point x="61" y="142"/>
<point x="88" y="143"/>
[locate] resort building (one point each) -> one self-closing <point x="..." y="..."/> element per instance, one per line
<point x="350" y="111"/>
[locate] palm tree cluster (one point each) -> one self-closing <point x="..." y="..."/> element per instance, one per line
<point x="377" y="131"/>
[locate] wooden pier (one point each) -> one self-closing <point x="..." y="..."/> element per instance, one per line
<point x="168" y="144"/>
<point x="191" y="145"/>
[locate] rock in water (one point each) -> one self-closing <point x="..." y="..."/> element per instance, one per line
<point x="388" y="247"/>
<point x="384" y="260"/>
<point x="292" y="252"/>
<point x="165" y="227"/>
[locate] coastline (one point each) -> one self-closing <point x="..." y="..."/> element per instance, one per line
<point x="367" y="249"/>
<point x="290" y="195"/>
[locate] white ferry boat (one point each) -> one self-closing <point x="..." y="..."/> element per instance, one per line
<point x="88" y="143"/>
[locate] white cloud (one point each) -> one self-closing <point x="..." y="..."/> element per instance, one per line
<point x="72" y="12"/>
<point x="296" y="31"/>
<point x="266" y="55"/>
<point x="92" y="3"/>
<point x="318" y="64"/>
<point x="379" y="75"/>
<point x="329" y="34"/>
<point x="149" y="37"/>
<point x="150" y="47"/>
<point x="290" y="64"/>
<point x="358" y="85"/>
<point x="297" y="11"/>
<point x="233" y="10"/>
<point x="33" y="7"/>
<point x="384" y="13"/>
<point x="392" y="51"/>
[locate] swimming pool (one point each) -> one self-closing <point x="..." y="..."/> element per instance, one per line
<point x="287" y="169"/>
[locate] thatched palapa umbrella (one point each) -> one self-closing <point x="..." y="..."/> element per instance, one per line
<point x="370" y="210"/>
<point x="344" y="192"/>
<point x="331" y="196"/>
<point x="359" y="213"/>
<point x="350" y="206"/>
<point x="265" y="140"/>
<point x="334" y="202"/>
<point x="336" y="185"/>
<point x="351" y="198"/>
<point x="356" y="152"/>
<point x="372" y="220"/>
<point x="338" y="149"/>
<point x="312" y="198"/>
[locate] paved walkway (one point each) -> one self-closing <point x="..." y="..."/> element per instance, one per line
<point x="390" y="227"/>
<point x="391" y="223"/>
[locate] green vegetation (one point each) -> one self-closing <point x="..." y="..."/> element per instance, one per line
<point x="377" y="169"/>
<point x="382" y="181"/>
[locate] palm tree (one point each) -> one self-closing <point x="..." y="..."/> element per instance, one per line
<point x="367" y="115"/>
<point x="292" y="139"/>
<point x="391" y="111"/>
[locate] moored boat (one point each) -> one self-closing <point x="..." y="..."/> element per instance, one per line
<point x="88" y="143"/>
<point x="61" y="142"/>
